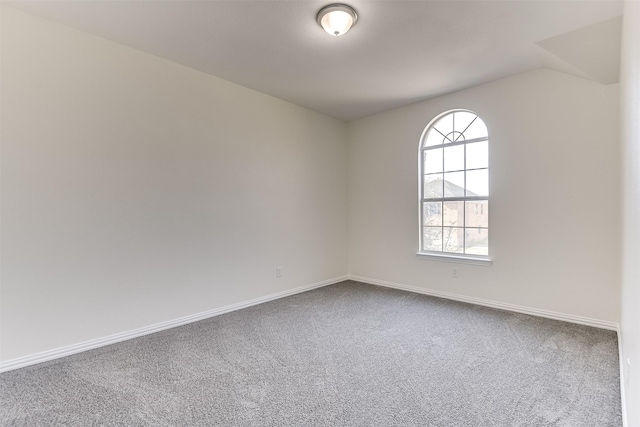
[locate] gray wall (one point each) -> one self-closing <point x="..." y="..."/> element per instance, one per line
<point x="555" y="196"/>
<point x="137" y="191"/>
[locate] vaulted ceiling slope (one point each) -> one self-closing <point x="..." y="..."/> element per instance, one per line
<point x="398" y="53"/>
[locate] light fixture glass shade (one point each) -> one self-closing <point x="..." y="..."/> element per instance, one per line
<point x="337" y="19"/>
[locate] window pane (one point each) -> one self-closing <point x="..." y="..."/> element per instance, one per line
<point x="453" y="240"/>
<point x="453" y="214"/>
<point x="462" y="120"/>
<point x="477" y="214"/>
<point x="433" y="186"/>
<point x="477" y="130"/>
<point x="454" y="184"/>
<point x="433" y="160"/>
<point x="477" y="241"/>
<point x="454" y="158"/>
<point x="477" y="182"/>
<point x="478" y="155"/>
<point x="433" y="138"/>
<point x="432" y="214"/>
<point x="432" y="240"/>
<point x="445" y="126"/>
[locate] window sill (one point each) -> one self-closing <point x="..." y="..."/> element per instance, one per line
<point x="462" y="259"/>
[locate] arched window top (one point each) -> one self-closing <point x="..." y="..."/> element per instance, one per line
<point x="455" y="127"/>
<point x="454" y="187"/>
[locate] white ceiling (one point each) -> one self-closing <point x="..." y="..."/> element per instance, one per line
<point x="398" y="53"/>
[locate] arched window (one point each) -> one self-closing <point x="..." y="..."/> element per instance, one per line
<point x="454" y="186"/>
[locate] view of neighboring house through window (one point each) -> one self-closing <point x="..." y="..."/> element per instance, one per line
<point x="454" y="185"/>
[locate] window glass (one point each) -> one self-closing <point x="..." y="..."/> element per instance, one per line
<point x="433" y="162"/>
<point x="453" y="158"/>
<point x="478" y="155"/>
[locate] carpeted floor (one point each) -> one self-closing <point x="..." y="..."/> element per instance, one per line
<point x="349" y="354"/>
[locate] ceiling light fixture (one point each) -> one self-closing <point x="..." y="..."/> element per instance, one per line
<point x="337" y="18"/>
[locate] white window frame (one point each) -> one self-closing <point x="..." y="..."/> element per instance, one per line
<point x="474" y="259"/>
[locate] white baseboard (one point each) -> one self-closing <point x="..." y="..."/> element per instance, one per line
<point x="112" y="339"/>
<point x="602" y="324"/>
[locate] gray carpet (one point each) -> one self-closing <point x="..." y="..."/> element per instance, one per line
<point x="345" y="355"/>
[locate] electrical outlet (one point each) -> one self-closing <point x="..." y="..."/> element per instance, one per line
<point x="278" y="271"/>
<point x="454" y="273"/>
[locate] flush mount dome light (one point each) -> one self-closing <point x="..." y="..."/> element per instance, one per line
<point x="337" y="18"/>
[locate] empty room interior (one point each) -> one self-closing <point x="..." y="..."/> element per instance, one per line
<point x="248" y="213"/>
